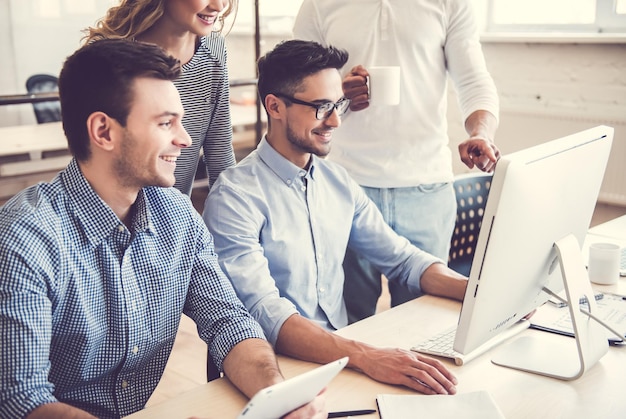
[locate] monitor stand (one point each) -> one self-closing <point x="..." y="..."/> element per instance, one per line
<point x="559" y="358"/>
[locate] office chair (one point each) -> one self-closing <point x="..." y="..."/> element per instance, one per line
<point x="471" y="197"/>
<point x="211" y="369"/>
<point x="49" y="111"/>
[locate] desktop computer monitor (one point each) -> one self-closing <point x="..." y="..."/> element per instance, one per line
<point x="538" y="196"/>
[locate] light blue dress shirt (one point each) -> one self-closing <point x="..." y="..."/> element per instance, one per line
<point x="89" y="309"/>
<point x="281" y="234"/>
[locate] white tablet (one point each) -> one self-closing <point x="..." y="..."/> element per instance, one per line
<point x="275" y="401"/>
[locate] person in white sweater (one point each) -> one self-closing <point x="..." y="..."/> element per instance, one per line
<point x="400" y="155"/>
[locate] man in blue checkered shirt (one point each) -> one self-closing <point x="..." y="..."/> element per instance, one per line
<point x="97" y="266"/>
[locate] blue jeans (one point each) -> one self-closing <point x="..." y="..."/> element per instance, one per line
<point x="425" y="215"/>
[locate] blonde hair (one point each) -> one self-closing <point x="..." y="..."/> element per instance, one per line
<point x="133" y="17"/>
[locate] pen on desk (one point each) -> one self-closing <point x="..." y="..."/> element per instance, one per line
<point x="582" y="300"/>
<point x="622" y="296"/>
<point x="351" y="413"/>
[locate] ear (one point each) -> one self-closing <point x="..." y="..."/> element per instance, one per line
<point x="99" y="128"/>
<point x="274" y="106"/>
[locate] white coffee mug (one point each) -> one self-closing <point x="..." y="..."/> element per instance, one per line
<point x="604" y="261"/>
<point x="384" y="85"/>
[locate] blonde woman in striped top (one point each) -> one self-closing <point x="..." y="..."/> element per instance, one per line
<point x="190" y="30"/>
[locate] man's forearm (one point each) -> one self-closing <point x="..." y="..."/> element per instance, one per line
<point x="442" y="281"/>
<point x="251" y="366"/>
<point x="300" y="338"/>
<point x="481" y="124"/>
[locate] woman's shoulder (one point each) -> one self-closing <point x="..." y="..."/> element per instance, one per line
<point x="211" y="53"/>
<point x="214" y="45"/>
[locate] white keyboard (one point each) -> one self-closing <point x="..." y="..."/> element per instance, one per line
<point x="441" y="343"/>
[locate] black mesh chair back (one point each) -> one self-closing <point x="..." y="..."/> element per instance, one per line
<point x="212" y="372"/>
<point x="49" y="111"/>
<point x="471" y="197"/>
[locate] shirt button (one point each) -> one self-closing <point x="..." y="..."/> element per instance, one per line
<point x="124" y="384"/>
<point x="322" y="289"/>
<point x="135" y="350"/>
<point x="303" y="188"/>
<point x="120" y="228"/>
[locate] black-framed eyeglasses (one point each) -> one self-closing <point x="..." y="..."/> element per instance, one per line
<point x="322" y="110"/>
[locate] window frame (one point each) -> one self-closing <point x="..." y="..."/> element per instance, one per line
<point x="607" y="21"/>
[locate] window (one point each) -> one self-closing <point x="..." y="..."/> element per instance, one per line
<point x="276" y="16"/>
<point x="582" y="16"/>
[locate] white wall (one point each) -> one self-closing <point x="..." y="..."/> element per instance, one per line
<point x="548" y="90"/>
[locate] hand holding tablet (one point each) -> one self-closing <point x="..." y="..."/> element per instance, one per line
<point x="275" y="401"/>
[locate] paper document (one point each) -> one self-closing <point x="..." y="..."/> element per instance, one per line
<point x="611" y="309"/>
<point x="473" y="405"/>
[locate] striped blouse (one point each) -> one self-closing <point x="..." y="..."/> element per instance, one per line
<point x="204" y="91"/>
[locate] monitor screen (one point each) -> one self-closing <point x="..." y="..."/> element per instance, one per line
<point x="538" y="196"/>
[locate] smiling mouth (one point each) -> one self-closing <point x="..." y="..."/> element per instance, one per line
<point x="208" y="19"/>
<point x="327" y="135"/>
<point x="169" y="159"/>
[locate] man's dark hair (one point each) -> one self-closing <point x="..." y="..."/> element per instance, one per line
<point x="99" y="77"/>
<point x="283" y="69"/>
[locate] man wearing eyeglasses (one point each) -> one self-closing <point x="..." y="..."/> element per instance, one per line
<point x="283" y="217"/>
<point x="401" y="155"/>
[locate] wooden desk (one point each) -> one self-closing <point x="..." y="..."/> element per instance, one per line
<point x="18" y="172"/>
<point x="598" y="394"/>
<point x="27" y="139"/>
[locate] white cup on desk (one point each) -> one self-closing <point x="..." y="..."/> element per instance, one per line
<point x="384" y="85"/>
<point x="604" y="263"/>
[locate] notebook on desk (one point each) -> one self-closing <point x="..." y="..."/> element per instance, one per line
<point x="610" y="309"/>
<point x="473" y="405"/>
